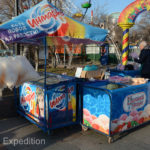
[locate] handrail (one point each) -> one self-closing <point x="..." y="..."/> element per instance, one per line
<point x="118" y="54"/>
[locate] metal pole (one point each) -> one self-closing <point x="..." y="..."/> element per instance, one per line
<point x="16" y="14"/>
<point x="45" y="51"/>
<point x="45" y="87"/>
<point x="16" y="8"/>
<point x="85" y="12"/>
<point x="64" y="55"/>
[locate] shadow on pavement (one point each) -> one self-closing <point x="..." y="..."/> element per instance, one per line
<point x="20" y="128"/>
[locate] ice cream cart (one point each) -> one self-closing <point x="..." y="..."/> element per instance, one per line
<point x="60" y="105"/>
<point x="112" y="108"/>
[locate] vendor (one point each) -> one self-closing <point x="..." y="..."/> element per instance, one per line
<point x="144" y="59"/>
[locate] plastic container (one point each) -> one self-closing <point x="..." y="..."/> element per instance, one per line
<point x="90" y="68"/>
<point x="132" y="73"/>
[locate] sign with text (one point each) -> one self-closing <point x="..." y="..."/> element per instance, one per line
<point x="134" y="101"/>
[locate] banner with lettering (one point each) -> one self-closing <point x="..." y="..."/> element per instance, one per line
<point x="130" y="107"/>
<point x="44" y="19"/>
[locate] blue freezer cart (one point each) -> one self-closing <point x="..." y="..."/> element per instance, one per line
<point x="57" y="109"/>
<point x="114" y="111"/>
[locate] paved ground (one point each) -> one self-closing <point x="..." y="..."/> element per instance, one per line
<point x="14" y="127"/>
<point x="68" y="138"/>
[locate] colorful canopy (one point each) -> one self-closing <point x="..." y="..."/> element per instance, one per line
<point x="44" y="19"/>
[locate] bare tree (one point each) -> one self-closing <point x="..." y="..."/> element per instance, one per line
<point x="52" y="50"/>
<point x="36" y="58"/>
<point x="141" y="29"/>
<point x="99" y="16"/>
<point x="103" y="20"/>
<point x="70" y="51"/>
<point x="116" y="33"/>
<point x="6" y="9"/>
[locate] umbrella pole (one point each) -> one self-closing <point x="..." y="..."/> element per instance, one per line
<point x="45" y="90"/>
<point x="45" y="51"/>
<point x="64" y="55"/>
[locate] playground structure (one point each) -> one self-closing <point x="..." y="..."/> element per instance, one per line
<point x="126" y="21"/>
<point x="69" y="7"/>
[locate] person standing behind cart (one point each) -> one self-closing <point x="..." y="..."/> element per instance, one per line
<point x="144" y="59"/>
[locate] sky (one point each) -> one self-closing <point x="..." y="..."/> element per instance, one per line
<point x="111" y="5"/>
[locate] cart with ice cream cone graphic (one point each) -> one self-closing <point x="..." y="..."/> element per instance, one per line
<point x="60" y="107"/>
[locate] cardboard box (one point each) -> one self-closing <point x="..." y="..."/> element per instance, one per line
<point x="97" y="74"/>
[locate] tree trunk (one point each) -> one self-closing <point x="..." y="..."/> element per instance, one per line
<point x="36" y="59"/>
<point x="58" y="61"/>
<point x="70" y="53"/>
<point x="52" y="51"/>
<point x="25" y="51"/>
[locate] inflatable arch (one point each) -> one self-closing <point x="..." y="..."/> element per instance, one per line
<point x="126" y="20"/>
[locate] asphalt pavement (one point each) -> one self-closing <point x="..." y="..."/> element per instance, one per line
<point x="17" y="133"/>
<point x="17" y="128"/>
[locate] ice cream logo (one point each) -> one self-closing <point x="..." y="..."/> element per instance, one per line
<point x="46" y="18"/>
<point x="100" y="123"/>
<point x="134" y="101"/>
<point x="58" y="99"/>
<point x="70" y="90"/>
<point x="29" y="94"/>
<point x="27" y="97"/>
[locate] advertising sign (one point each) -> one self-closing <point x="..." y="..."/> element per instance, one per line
<point x="32" y="101"/>
<point x="130" y="109"/>
<point x="62" y="104"/>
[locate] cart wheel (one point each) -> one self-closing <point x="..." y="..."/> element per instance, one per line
<point x="50" y="132"/>
<point x="84" y="128"/>
<point x="110" y="140"/>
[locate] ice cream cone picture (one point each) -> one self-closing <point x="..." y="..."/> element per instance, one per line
<point x="100" y="123"/>
<point x="73" y="102"/>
